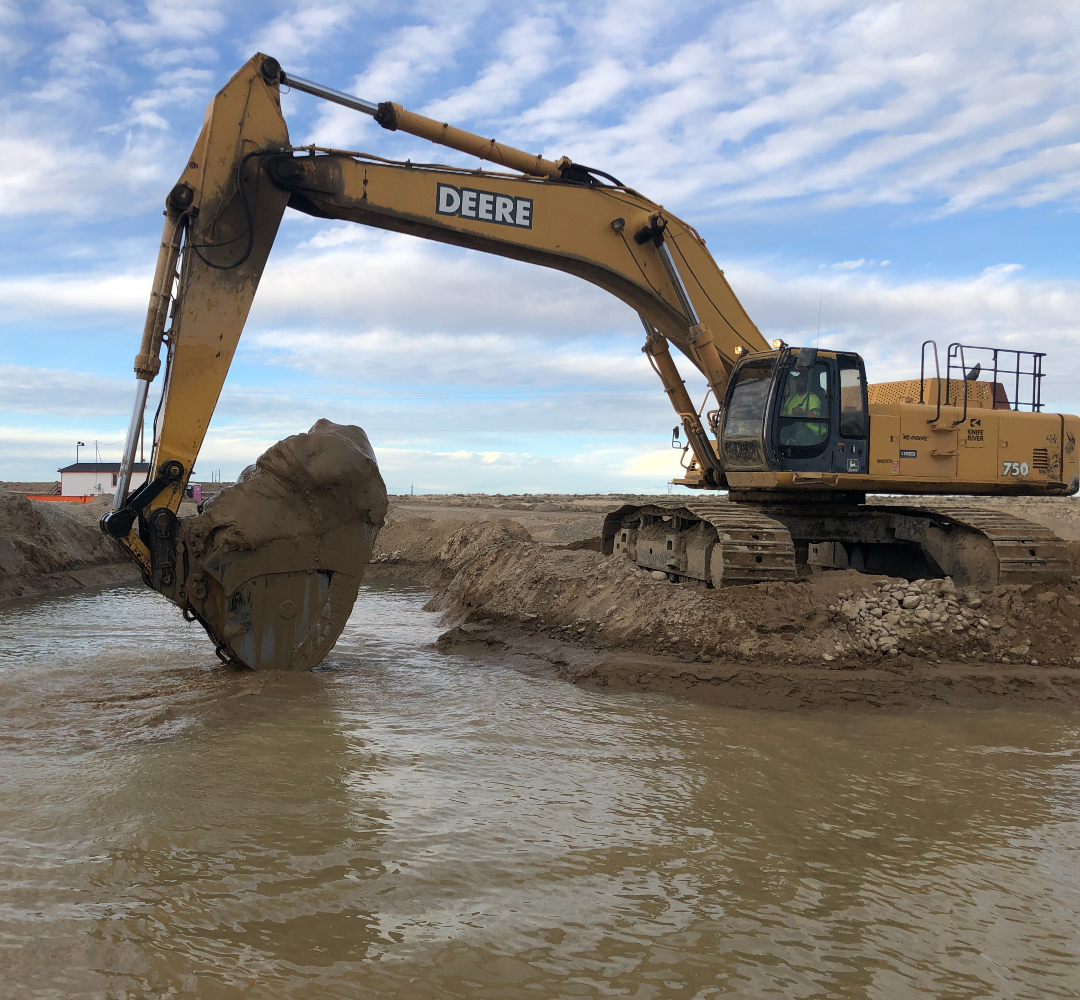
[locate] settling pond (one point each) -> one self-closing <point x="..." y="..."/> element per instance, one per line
<point x="407" y="824"/>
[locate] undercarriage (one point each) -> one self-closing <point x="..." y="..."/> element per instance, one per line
<point x="718" y="543"/>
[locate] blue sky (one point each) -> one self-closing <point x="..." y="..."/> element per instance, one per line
<point x="912" y="166"/>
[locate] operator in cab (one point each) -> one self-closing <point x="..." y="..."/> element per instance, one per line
<point x="801" y="401"/>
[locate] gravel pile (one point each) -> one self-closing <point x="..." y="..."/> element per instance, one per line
<point x="884" y="618"/>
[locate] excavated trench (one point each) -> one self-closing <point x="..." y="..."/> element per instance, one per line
<point x="521" y="579"/>
<point x="269" y="566"/>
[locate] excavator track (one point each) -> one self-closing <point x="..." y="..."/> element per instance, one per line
<point x="719" y="543"/>
<point x="715" y="543"/>
<point x="1025" y="552"/>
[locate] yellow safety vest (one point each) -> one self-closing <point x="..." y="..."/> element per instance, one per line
<point x="805" y="405"/>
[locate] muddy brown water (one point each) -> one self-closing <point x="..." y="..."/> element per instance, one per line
<point x="406" y="824"/>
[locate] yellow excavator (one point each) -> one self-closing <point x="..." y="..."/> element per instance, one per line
<point x="795" y="435"/>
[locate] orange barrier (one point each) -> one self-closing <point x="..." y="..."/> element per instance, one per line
<point x="56" y="496"/>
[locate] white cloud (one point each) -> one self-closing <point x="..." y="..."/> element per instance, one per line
<point x="728" y="109"/>
<point x="354" y="280"/>
<point x="398" y="318"/>
<point x="487" y="399"/>
<point x="527" y="50"/>
<point x="751" y="109"/>
<point x="11" y="45"/>
<point x="79" y="50"/>
<point x="44" y="390"/>
<point x="886" y="320"/>
<point x="408" y="58"/>
<point x="188" y="85"/>
<point x="293" y="35"/>
<point x="659" y="463"/>
<point x="493" y="362"/>
<point x="593" y="90"/>
<point x="173" y="21"/>
<point x="835" y="103"/>
<point x="50" y="172"/>
<point x="159" y="58"/>
<point x="618" y="469"/>
<point x="53" y="298"/>
<point x="34" y="454"/>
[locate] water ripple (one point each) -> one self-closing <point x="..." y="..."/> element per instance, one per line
<point x="403" y="823"/>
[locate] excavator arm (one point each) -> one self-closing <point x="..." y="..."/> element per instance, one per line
<point x="223" y="214"/>
<point x="609" y="235"/>
<point x="221" y="219"/>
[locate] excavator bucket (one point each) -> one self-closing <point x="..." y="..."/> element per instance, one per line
<point x="272" y="566"/>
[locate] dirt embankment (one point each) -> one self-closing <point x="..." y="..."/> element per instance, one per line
<point x="529" y="585"/>
<point x="51" y="546"/>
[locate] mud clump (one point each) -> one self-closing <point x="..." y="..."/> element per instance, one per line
<point x="51" y="546"/>
<point x="274" y="563"/>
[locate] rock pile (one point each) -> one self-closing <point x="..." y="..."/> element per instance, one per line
<point x="895" y="613"/>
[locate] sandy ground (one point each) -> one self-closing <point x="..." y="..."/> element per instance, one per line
<point x="527" y="584"/>
<point x="48" y="547"/>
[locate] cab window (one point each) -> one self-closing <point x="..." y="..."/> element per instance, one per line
<point x="803" y="419"/>
<point x="744" y="419"/>
<point x="852" y="405"/>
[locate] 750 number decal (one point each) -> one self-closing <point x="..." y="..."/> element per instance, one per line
<point x="1014" y="468"/>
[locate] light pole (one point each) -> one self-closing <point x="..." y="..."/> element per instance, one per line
<point x="78" y="445"/>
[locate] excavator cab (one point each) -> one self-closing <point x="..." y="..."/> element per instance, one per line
<point x="796" y="410"/>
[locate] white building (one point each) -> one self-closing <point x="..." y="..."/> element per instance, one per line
<point x="97" y="478"/>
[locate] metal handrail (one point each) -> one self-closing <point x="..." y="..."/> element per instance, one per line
<point x="964" y="379"/>
<point x="937" y="377"/>
<point x="997" y="368"/>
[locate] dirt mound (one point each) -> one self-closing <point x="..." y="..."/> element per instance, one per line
<point x="274" y="562"/>
<point x="502" y="588"/>
<point x="15" y="487"/>
<point x="48" y="546"/>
